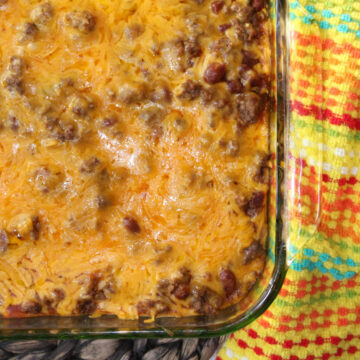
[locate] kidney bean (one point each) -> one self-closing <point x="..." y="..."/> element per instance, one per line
<point x="224" y="27"/>
<point x="254" y="204"/>
<point x="132" y="225"/>
<point x="216" y="6"/>
<point x="215" y="73"/>
<point x="228" y="281"/>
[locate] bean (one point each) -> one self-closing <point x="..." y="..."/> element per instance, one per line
<point x="215" y="73"/>
<point x="254" y="204"/>
<point x="132" y="225"/>
<point x="224" y="27"/>
<point x="216" y="6"/>
<point x="228" y="281"/>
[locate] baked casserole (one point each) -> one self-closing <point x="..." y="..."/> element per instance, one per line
<point x="133" y="155"/>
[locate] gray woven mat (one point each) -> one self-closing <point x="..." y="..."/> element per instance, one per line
<point x="164" y="349"/>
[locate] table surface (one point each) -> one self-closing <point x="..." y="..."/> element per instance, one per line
<point x="101" y="349"/>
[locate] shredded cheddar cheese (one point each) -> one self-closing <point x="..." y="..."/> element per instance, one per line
<point x="133" y="151"/>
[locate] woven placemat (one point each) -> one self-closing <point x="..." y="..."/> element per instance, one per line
<point x="142" y="349"/>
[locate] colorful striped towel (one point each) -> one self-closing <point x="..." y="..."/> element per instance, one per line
<point x="317" y="313"/>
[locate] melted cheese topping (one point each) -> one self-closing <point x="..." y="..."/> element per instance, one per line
<point x="131" y="155"/>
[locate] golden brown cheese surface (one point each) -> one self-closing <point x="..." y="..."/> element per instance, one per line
<point x="133" y="149"/>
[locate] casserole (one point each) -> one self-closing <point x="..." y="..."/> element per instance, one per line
<point x="210" y="324"/>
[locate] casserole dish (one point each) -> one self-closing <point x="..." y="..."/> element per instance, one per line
<point x="226" y="320"/>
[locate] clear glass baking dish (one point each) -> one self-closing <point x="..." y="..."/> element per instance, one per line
<point x="261" y="296"/>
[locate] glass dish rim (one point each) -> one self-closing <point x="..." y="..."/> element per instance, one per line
<point x="280" y="264"/>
